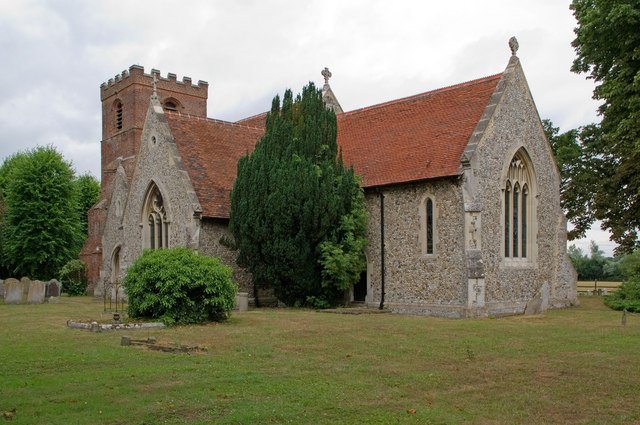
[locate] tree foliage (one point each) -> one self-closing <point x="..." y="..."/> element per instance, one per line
<point x="41" y="231"/>
<point x="87" y="188"/>
<point x="297" y="215"/>
<point x="607" y="45"/>
<point x="578" y="163"/>
<point x="73" y="277"/>
<point x="596" y="266"/>
<point x="178" y="286"/>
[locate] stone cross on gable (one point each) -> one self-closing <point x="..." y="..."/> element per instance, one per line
<point x="326" y="74"/>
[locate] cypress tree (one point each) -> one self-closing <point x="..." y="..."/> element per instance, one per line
<point x="297" y="215"/>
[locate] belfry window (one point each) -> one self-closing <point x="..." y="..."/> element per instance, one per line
<point x="170" y="106"/>
<point x="155" y="221"/>
<point x="517" y="208"/>
<point x="119" y="116"/>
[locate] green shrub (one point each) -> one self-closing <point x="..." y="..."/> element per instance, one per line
<point x="178" y="286"/>
<point x="73" y="277"/>
<point x="627" y="297"/>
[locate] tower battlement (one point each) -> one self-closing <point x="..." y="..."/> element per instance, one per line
<point x="136" y="75"/>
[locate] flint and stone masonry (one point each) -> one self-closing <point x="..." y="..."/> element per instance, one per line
<point x="168" y="171"/>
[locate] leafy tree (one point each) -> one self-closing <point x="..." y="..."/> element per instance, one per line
<point x="178" y="286"/>
<point x="596" y="266"/>
<point x="73" y="277"/>
<point x="87" y="188"/>
<point x="41" y="230"/>
<point x="578" y="165"/>
<point x="606" y="44"/>
<point x="297" y="215"/>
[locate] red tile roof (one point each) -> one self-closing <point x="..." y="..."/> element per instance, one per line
<point x="415" y="138"/>
<point x="210" y="150"/>
<point x="411" y="139"/>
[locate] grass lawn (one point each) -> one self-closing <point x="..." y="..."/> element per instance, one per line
<point x="575" y="366"/>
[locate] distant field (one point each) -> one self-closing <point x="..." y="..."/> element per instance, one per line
<point x="591" y="285"/>
<point x="294" y="366"/>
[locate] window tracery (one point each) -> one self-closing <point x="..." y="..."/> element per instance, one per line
<point x="517" y="207"/>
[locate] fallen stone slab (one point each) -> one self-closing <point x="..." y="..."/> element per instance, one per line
<point x="152" y="344"/>
<point x="108" y="327"/>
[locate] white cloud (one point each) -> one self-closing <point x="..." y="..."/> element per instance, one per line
<point x="56" y="55"/>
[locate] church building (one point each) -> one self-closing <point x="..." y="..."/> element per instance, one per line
<point x="460" y="184"/>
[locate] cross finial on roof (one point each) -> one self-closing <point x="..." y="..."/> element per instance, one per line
<point x="326" y="74"/>
<point x="513" y="44"/>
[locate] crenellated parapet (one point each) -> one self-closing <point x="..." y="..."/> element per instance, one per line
<point x="136" y="75"/>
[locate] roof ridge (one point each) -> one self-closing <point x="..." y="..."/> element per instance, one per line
<point x="425" y="94"/>
<point x="253" y="116"/>
<point x="212" y="120"/>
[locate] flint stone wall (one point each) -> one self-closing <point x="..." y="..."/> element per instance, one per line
<point x="511" y="284"/>
<point x="416" y="282"/>
<point x="158" y="163"/>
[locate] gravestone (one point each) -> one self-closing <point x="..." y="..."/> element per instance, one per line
<point x="36" y="292"/>
<point x="53" y="289"/>
<point x="13" y="291"/>
<point x="539" y="303"/>
<point x="25" y="284"/>
<point x="242" y="301"/>
<point x="2" y="288"/>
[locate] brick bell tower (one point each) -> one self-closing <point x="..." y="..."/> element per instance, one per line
<point x="125" y="101"/>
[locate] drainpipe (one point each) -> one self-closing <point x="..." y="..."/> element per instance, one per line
<point x="381" y="248"/>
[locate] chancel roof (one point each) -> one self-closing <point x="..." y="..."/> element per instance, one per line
<point x="416" y="138"/>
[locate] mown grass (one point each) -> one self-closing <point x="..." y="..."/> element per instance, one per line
<point x="575" y="366"/>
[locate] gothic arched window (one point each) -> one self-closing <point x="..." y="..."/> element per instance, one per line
<point x="517" y="207"/>
<point x="156" y="234"/>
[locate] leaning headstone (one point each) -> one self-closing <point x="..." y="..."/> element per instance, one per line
<point x="539" y="303"/>
<point x="25" y="284"/>
<point x="13" y="291"/>
<point x="2" y="289"/>
<point x="53" y="289"/>
<point x="36" y="292"/>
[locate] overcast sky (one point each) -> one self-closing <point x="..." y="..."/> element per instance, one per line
<point x="55" y="55"/>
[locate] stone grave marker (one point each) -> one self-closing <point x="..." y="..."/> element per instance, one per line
<point x="2" y="288"/>
<point x="36" y="292"/>
<point x="25" y="284"/>
<point x="539" y="303"/>
<point x="53" y="289"/>
<point x="13" y="291"/>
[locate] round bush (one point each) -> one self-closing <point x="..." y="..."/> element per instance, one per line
<point x="627" y="297"/>
<point x="73" y="277"/>
<point x="178" y="286"/>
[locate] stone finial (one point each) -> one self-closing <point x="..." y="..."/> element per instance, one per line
<point x="154" y="96"/>
<point x="326" y="74"/>
<point x="513" y="45"/>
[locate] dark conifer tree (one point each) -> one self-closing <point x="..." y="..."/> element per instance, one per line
<point x="297" y="215"/>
